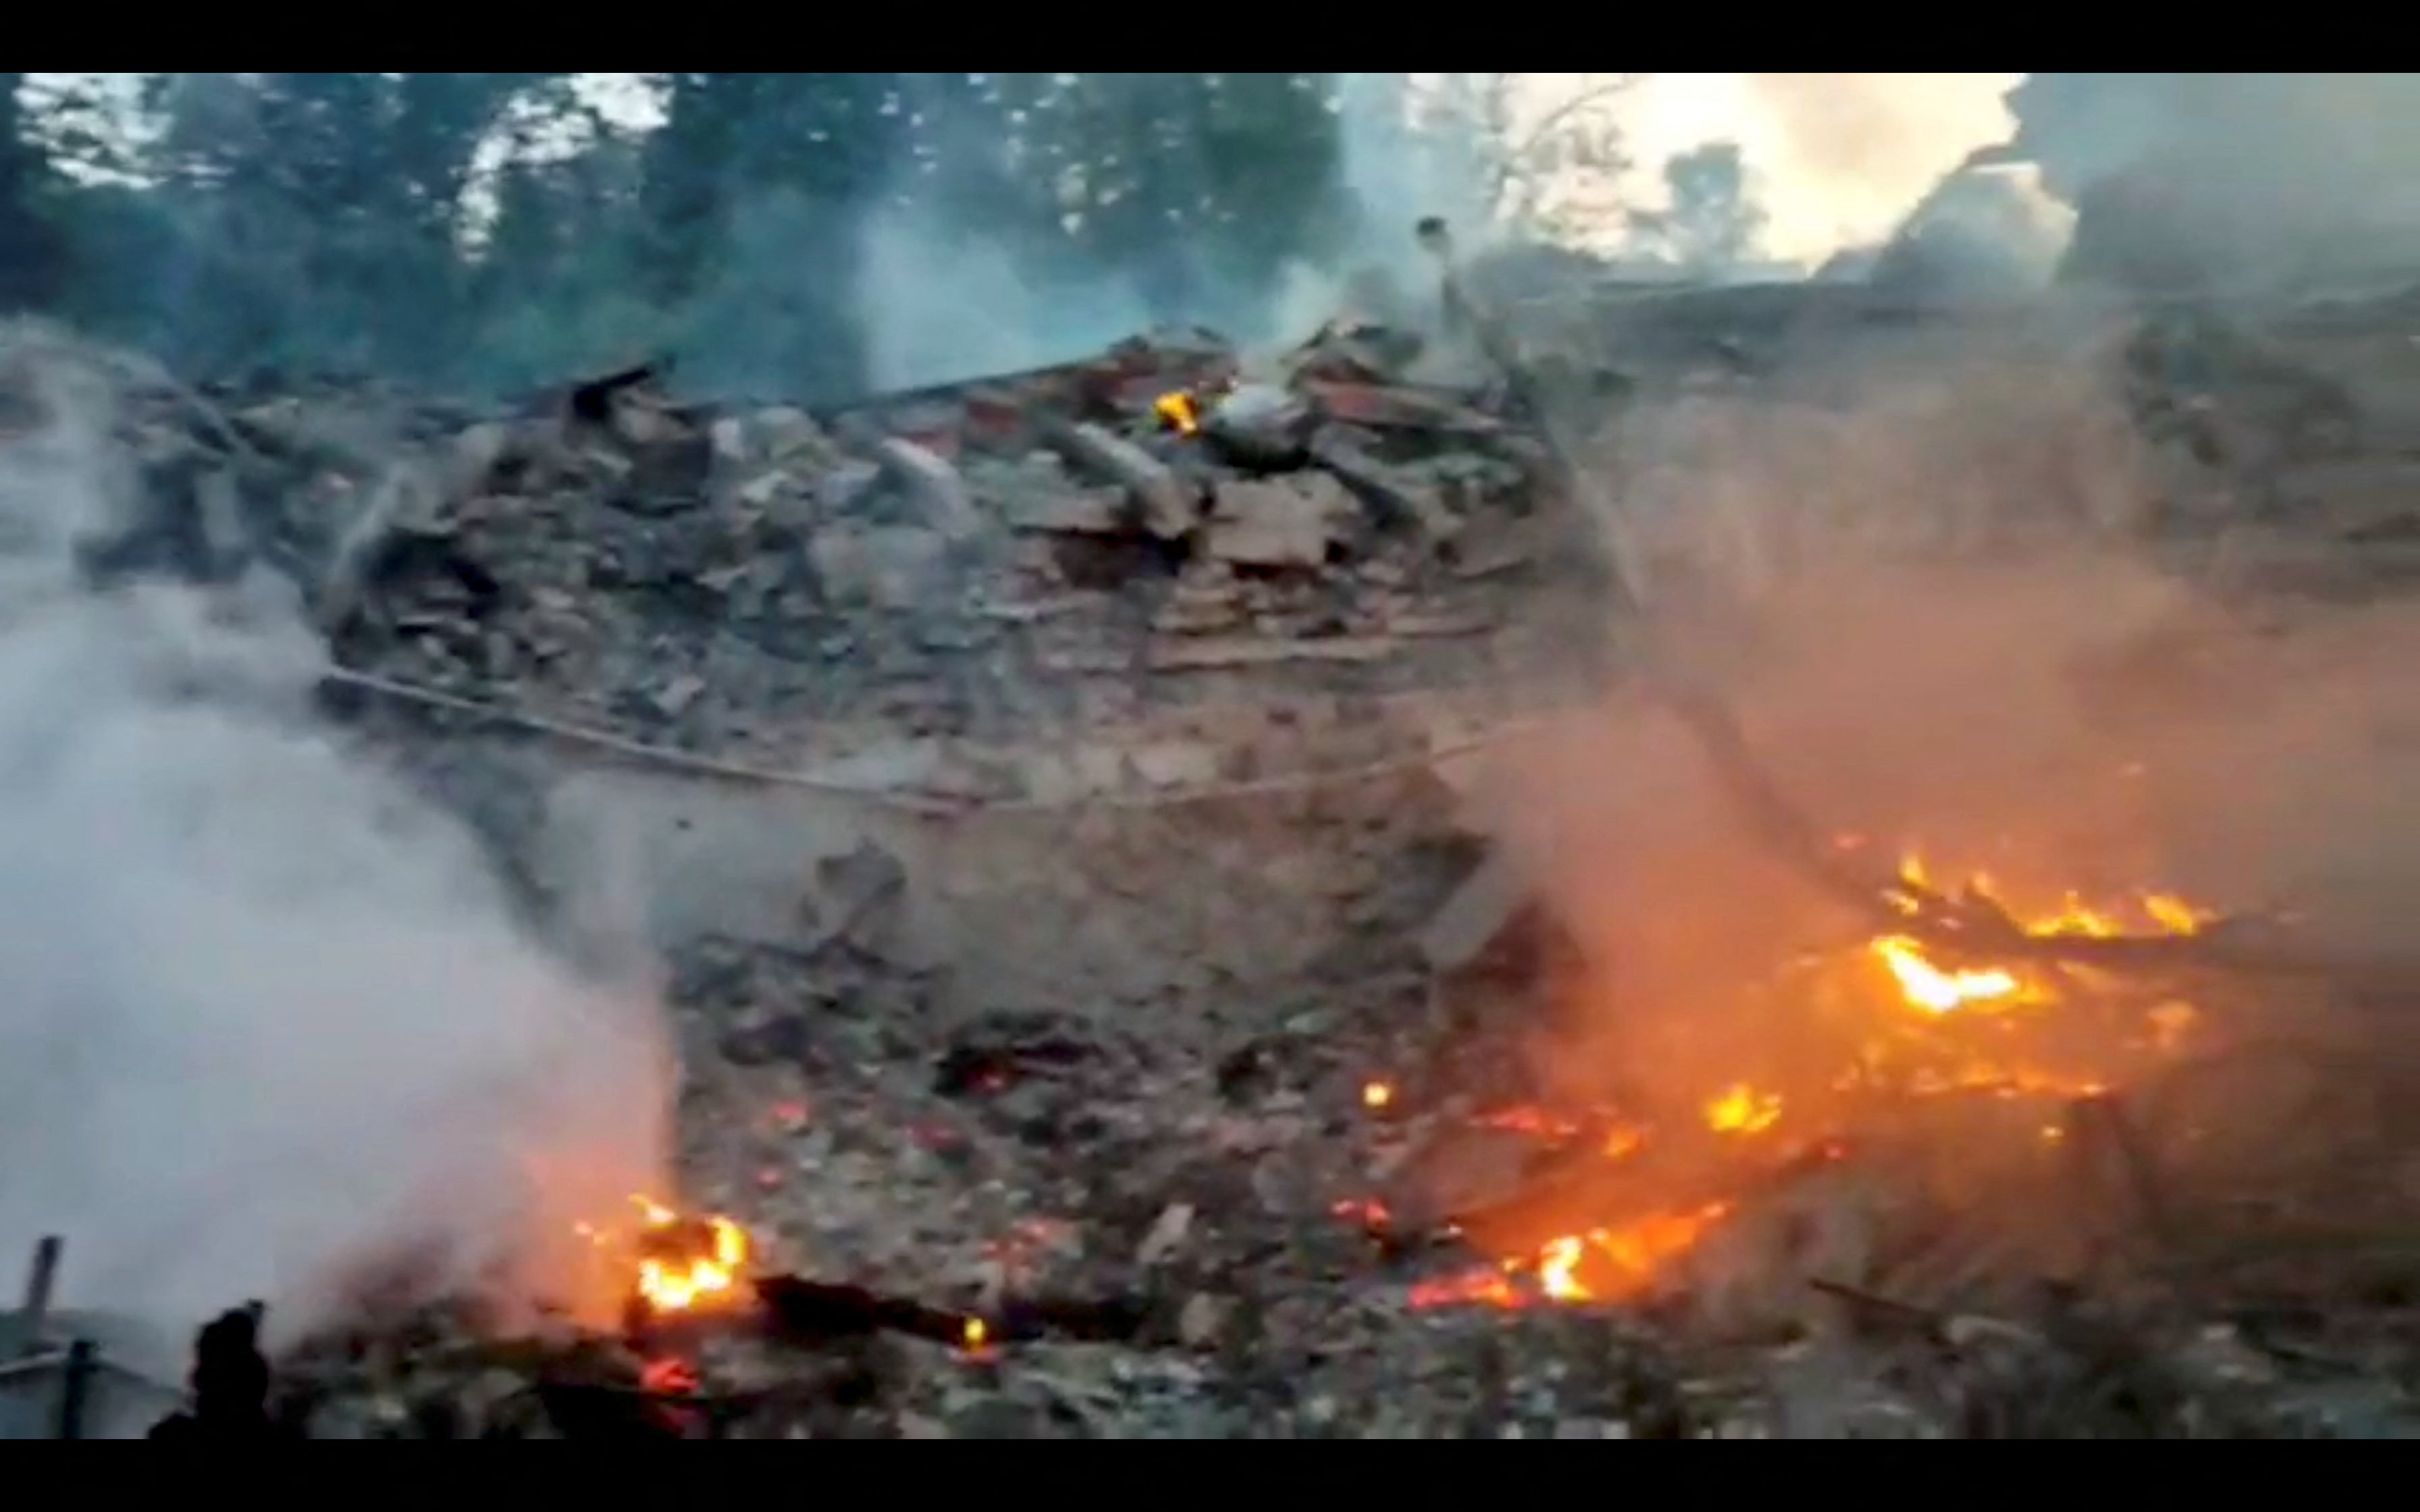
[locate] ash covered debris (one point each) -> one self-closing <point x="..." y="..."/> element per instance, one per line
<point x="1084" y="981"/>
<point x="1133" y="580"/>
<point x="1158" y="1255"/>
<point x="915" y="561"/>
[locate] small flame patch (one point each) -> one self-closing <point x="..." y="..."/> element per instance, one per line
<point x="683" y="1263"/>
<point x="1179" y="411"/>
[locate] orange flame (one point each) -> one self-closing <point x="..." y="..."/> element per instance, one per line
<point x="1179" y="411"/>
<point x="1935" y="991"/>
<point x="669" y="1377"/>
<point x="1625" y="1261"/>
<point x="1940" y="990"/>
<point x="1743" y="1110"/>
<point x="1603" y="1265"/>
<point x="688" y="1264"/>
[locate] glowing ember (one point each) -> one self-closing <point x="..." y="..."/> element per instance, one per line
<point x="669" y="1377"/>
<point x="1927" y="987"/>
<point x="1624" y="1261"/>
<point x="1536" y="1123"/>
<point x="1179" y="411"/>
<point x="1623" y="1143"/>
<point x="1940" y="990"/>
<point x="687" y="1264"/>
<point x="1603" y="1265"/>
<point x="2001" y="1081"/>
<point x="2170" y="1024"/>
<point x="1376" y="1096"/>
<point x="2174" y="915"/>
<point x="1369" y="1214"/>
<point x="1743" y="1110"/>
<point x="1887" y="1053"/>
<point x="1559" y="1268"/>
<point x="1490" y="1288"/>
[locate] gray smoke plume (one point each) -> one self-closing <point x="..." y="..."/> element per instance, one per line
<point x="267" y="1019"/>
<point x="2240" y="180"/>
<point x="1924" y="599"/>
<point x="945" y="302"/>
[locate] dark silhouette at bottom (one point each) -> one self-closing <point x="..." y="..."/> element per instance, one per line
<point x="231" y="1385"/>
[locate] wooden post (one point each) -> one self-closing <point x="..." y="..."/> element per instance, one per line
<point x="75" y="1387"/>
<point x="40" y="1280"/>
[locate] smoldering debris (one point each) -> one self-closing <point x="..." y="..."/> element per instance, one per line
<point x="1102" y="976"/>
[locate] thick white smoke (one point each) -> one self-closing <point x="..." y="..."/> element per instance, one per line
<point x="1836" y="161"/>
<point x="266" y="1016"/>
<point x="1838" y="158"/>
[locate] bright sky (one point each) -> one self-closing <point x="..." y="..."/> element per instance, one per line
<point x="1839" y="158"/>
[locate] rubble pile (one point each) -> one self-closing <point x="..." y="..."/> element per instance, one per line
<point x="1159" y="1246"/>
<point x="1068" y="609"/>
<point x="1034" y="960"/>
<point x="972" y="562"/>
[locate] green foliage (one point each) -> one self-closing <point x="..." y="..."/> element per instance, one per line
<point x="1506" y="166"/>
<point x="32" y="254"/>
<point x="498" y="230"/>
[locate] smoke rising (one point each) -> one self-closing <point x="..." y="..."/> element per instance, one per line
<point x="1843" y="157"/>
<point x="1926" y="614"/>
<point x="945" y="302"/>
<point x="1836" y="161"/>
<point x="2249" y="179"/>
<point x="268" y="1019"/>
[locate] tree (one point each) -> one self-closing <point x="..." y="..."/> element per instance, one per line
<point x="753" y="191"/>
<point x="1194" y="189"/>
<point x="1519" y="171"/>
<point x="444" y="226"/>
<point x="30" y="251"/>
<point x="1712" y="222"/>
<point x="558" y="280"/>
<point x="1270" y="156"/>
<point x="966" y="159"/>
<point x="314" y="218"/>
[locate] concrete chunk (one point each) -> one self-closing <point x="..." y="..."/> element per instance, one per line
<point x="1477" y="915"/>
<point x="1167" y="504"/>
<point x="1289" y="522"/>
<point x="940" y="493"/>
<point x="1390" y="489"/>
<point x="888" y="568"/>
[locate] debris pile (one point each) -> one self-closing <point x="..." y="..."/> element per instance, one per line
<point x="979" y="561"/>
<point x="1035" y="1229"/>
<point x="1291" y="1170"/>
